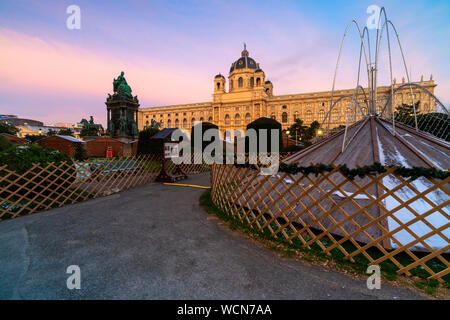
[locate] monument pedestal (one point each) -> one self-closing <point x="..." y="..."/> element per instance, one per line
<point x="122" y="110"/>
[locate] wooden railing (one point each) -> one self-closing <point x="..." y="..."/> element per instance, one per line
<point x="382" y="219"/>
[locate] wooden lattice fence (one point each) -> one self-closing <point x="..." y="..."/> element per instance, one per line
<point x="383" y="218"/>
<point x="52" y="185"/>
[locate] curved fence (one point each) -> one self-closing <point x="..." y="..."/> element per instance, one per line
<point x="51" y="185"/>
<point x="383" y="219"/>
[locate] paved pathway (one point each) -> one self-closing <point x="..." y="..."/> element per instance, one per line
<point x="155" y="242"/>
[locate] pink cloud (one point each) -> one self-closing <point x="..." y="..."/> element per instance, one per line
<point x="32" y="65"/>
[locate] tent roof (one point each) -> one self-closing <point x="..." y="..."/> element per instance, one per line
<point x="164" y="133"/>
<point x="372" y="140"/>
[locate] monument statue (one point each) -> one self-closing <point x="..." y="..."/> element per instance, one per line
<point x="134" y="129"/>
<point x="123" y="125"/>
<point x="122" y="108"/>
<point x="121" y="87"/>
<point x="155" y="124"/>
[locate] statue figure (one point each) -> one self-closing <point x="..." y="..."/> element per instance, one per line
<point x="84" y="123"/>
<point x="155" y="124"/>
<point x="134" y="129"/>
<point x="121" y="87"/>
<point x="111" y="128"/>
<point x="123" y="125"/>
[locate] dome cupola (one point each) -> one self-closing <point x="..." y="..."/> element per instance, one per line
<point x="244" y="62"/>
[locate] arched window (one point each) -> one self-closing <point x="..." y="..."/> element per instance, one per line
<point x="218" y="85"/>
<point x="267" y="90"/>
<point x="296" y="115"/>
<point x="146" y="122"/>
<point x="273" y="116"/>
<point x="258" y="81"/>
<point x="177" y="123"/>
<point x="185" y="123"/>
<point x="210" y="119"/>
<point x="169" y="123"/>
<point x="240" y="82"/>
<point x="284" y="117"/>
<point x="321" y="115"/>
<point x="425" y="107"/>
<point x="227" y="119"/>
<point x="308" y="116"/>
<point x="335" y="115"/>
<point x="252" y="82"/>
<point x="237" y="119"/>
<point x="231" y="84"/>
<point x="201" y="119"/>
<point x="248" y="118"/>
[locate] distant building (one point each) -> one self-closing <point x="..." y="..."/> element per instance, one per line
<point x="16" y="121"/>
<point x="36" y="130"/>
<point x="75" y="127"/>
<point x="66" y="144"/>
<point x="250" y="96"/>
<point x="14" y="139"/>
<point x="97" y="146"/>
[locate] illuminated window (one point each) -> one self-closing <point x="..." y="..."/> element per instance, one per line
<point x="321" y="115"/>
<point x="237" y="120"/>
<point x="227" y="119"/>
<point x="308" y="116"/>
<point x="335" y="115"/>
<point x="296" y="115"/>
<point x="284" y="117"/>
<point x="248" y="118"/>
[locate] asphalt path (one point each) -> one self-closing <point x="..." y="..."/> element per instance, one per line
<point x="155" y="242"/>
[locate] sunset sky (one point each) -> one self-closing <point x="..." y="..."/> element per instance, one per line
<point x="171" y="50"/>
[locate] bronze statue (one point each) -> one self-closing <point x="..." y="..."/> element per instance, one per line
<point x="121" y="87"/>
<point x="155" y="124"/>
<point x="134" y="129"/>
<point x="123" y="125"/>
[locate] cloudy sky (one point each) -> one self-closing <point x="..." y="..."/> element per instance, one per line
<point x="171" y="50"/>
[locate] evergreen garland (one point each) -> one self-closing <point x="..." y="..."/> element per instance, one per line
<point x="361" y="172"/>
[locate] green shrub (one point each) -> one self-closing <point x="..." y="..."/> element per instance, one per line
<point x="21" y="159"/>
<point x="4" y="143"/>
<point x="269" y="124"/>
<point x="80" y="152"/>
<point x="146" y="145"/>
